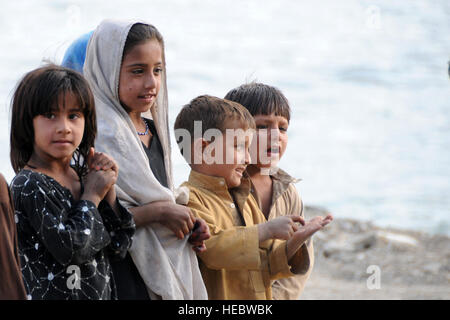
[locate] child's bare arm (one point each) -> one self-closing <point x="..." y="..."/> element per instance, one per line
<point x="305" y="232"/>
<point x="177" y="218"/>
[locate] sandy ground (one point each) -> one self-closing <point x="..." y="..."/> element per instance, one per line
<point x="356" y="260"/>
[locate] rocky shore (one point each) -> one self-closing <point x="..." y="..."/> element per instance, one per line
<point x="357" y="260"/>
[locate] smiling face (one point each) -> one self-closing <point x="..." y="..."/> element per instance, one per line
<point x="58" y="133"/>
<point x="230" y="153"/>
<point x="270" y="128"/>
<point x="140" y="76"/>
<point x="235" y="158"/>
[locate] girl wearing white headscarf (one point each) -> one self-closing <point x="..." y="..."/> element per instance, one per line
<point x="125" y="67"/>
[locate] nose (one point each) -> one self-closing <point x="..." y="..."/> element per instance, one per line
<point x="63" y="126"/>
<point x="274" y="137"/>
<point x="275" y="133"/>
<point x="150" y="81"/>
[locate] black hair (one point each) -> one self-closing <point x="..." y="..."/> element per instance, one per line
<point x="37" y="94"/>
<point x="140" y="33"/>
<point x="260" y="98"/>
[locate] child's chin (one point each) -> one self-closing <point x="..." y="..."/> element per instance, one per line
<point x="233" y="184"/>
<point x="267" y="165"/>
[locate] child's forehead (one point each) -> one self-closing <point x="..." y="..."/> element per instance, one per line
<point x="143" y="52"/>
<point x="65" y="100"/>
<point x="238" y="134"/>
<point x="68" y="99"/>
<point x="236" y="124"/>
<point x="274" y="116"/>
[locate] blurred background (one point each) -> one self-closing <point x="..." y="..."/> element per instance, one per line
<point x="367" y="82"/>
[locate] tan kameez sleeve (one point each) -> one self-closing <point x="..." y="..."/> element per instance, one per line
<point x="302" y="263"/>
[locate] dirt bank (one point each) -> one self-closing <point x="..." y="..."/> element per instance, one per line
<point x="357" y="260"/>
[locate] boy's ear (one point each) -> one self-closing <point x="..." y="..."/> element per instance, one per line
<point x="199" y="146"/>
<point x="201" y="143"/>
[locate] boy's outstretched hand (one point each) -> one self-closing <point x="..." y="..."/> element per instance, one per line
<point x="304" y="232"/>
<point x="315" y="224"/>
<point x="200" y="233"/>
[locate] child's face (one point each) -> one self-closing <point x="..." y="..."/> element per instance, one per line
<point x="58" y="133"/>
<point x="234" y="157"/>
<point x="271" y="139"/>
<point x="140" y="76"/>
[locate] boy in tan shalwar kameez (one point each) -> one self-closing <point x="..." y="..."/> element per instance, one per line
<point x="272" y="188"/>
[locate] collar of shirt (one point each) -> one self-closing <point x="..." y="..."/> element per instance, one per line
<point x="281" y="181"/>
<point x="219" y="187"/>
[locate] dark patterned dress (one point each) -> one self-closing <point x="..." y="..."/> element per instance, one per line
<point x="65" y="246"/>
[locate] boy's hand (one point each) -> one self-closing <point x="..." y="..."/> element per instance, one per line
<point x="313" y="225"/>
<point x="305" y="232"/>
<point x="279" y="228"/>
<point x="200" y="233"/>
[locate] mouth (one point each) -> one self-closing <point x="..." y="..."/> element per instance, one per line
<point x="147" y="97"/>
<point x="62" y="143"/>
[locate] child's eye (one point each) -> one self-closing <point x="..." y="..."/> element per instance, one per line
<point x="283" y="129"/>
<point x="49" y="115"/>
<point x="158" y="70"/>
<point x="137" y="71"/>
<point x="74" y="116"/>
<point x="261" y="126"/>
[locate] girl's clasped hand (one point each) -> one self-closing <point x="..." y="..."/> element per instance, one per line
<point x="102" y="175"/>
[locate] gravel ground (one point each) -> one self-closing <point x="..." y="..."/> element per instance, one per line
<point x="357" y="260"/>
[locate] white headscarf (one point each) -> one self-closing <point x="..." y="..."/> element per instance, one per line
<point x="167" y="265"/>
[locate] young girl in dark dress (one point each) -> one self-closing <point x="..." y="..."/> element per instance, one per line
<point x="68" y="219"/>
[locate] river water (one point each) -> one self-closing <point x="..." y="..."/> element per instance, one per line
<point x="367" y="82"/>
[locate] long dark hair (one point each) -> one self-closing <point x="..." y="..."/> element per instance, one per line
<point x="37" y="94"/>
